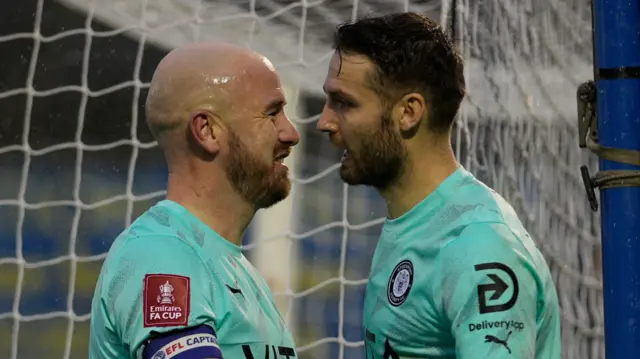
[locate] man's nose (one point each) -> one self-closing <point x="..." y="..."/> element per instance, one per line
<point x="326" y="122"/>
<point x="290" y="134"/>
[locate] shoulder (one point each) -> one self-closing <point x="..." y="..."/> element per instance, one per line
<point x="484" y="255"/>
<point x="483" y="204"/>
<point x="140" y="261"/>
<point x="157" y="235"/>
<point x="476" y="210"/>
<point x="162" y="220"/>
<point x="478" y="240"/>
<point x="489" y="229"/>
<point x="481" y="249"/>
<point x="467" y="199"/>
<point x="161" y="249"/>
<point x="151" y="269"/>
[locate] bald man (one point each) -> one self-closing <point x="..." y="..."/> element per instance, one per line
<point x="175" y="284"/>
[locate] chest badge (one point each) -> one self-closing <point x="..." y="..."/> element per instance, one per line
<point x="400" y="283"/>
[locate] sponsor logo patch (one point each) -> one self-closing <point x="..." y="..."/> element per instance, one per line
<point x="509" y="325"/>
<point x="499" y="301"/>
<point x="166" y="300"/>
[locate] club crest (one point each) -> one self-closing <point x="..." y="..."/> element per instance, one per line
<point x="400" y="283"/>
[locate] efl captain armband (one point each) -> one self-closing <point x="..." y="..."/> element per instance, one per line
<point x="192" y="343"/>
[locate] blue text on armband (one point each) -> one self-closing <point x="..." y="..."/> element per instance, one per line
<point x="193" y="343"/>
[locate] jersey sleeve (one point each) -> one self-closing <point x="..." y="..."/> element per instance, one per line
<point x="157" y="287"/>
<point x="487" y="288"/>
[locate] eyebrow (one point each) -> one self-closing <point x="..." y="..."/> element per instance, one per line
<point x="337" y="93"/>
<point x="275" y="104"/>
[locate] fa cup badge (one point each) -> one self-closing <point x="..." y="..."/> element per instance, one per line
<point x="166" y="296"/>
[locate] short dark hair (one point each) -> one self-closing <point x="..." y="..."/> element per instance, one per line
<point x="412" y="54"/>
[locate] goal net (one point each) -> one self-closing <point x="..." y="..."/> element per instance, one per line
<point x="78" y="164"/>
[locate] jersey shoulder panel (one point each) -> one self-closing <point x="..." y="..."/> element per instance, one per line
<point x="483" y="242"/>
<point x="157" y="221"/>
<point x="477" y="205"/>
<point x="156" y="283"/>
<point x="487" y="204"/>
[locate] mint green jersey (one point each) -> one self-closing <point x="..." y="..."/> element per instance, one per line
<point x="167" y="273"/>
<point x="459" y="277"/>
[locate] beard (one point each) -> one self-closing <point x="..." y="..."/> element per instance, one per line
<point x="378" y="160"/>
<point x="257" y="181"/>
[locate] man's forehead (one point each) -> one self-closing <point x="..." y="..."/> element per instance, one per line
<point x="262" y="95"/>
<point x="258" y="81"/>
<point x="249" y="89"/>
<point x="348" y="72"/>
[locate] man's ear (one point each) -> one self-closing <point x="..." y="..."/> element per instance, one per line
<point x="412" y="108"/>
<point x="205" y="129"/>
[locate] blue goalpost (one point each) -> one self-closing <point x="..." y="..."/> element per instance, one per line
<point x="617" y="109"/>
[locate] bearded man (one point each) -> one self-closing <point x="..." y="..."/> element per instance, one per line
<point x="175" y="284"/>
<point x="455" y="274"/>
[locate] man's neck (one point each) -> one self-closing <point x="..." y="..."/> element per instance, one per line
<point x="421" y="176"/>
<point x="215" y="203"/>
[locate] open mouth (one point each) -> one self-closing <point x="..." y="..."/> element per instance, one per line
<point x="279" y="158"/>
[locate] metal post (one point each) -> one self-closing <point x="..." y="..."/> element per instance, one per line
<point x="617" y="65"/>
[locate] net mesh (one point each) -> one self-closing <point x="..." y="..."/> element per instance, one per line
<point x="520" y="135"/>
<point x="78" y="164"/>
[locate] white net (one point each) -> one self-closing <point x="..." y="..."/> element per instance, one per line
<point x="519" y="130"/>
<point x="78" y="165"/>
